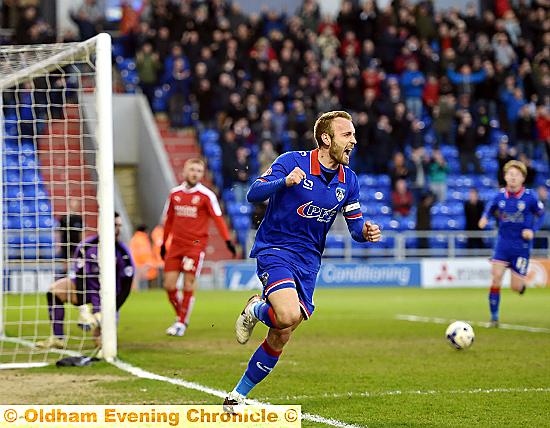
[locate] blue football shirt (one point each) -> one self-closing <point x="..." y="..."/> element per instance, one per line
<point x="515" y="212"/>
<point x="299" y="217"/>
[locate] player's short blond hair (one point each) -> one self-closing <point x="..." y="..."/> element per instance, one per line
<point x="194" y="160"/>
<point x="323" y="125"/>
<point x="515" y="164"/>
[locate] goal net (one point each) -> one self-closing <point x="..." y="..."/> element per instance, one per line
<point x="57" y="188"/>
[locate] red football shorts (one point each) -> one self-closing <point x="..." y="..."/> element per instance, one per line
<point x="184" y="259"/>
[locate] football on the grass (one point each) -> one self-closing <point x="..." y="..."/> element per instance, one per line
<point x="460" y="335"/>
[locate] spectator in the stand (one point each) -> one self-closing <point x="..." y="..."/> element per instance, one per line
<point x="280" y="123"/>
<point x="399" y="169"/>
<point x="267" y="155"/>
<point x="383" y="145"/>
<point x="310" y="13"/>
<point x="424" y="217"/>
<point x="179" y="82"/>
<point x="402" y="199"/>
<point x="27" y="18"/>
<point x="89" y="18"/>
<point x="412" y="84"/>
<point x="362" y="159"/>
<point x="443" y="123"/>
<point x="401" y="126"/>
<point x="144" y="258"/>
<point x="437" y="175"/>
<point x="299" y="124"/>
<point x="467" y="142"/>
<point x="473" y="210"/>
<point x="240" y="173"/>
<point x="531" y="175"/>
<point x="525" y="131"/>
<point x="430" y="94"/>
<point x="504" y="155"/>
<point x="419" y="172"/>
<point x="514" y="104"/>
<point x="504" y="52"/>
<point x="148" y="65"/>
<point x="543" y="128"/>
<point x="465" y="80"/>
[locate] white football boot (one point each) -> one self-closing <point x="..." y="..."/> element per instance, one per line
<point x="176" y="329"/>
<point x="233" y="400"/>
<point x="246" y="321"/>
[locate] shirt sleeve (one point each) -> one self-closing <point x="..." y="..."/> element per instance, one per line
<point x="270" y="181"/>
<point x="216" y="213"/>
<point x="491" y="208"/>
<point x="169" y="218"/>
<point x="352" y="213"/>
<point x="125" y="274"/>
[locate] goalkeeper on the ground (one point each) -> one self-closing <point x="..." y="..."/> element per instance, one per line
<point x="81" y="288"/>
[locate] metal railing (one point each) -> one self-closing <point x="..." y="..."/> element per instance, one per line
<point x="401" y="245"/>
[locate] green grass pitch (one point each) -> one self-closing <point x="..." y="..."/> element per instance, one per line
<point x="353" y="361"/>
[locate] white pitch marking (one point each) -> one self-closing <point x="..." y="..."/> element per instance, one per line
<point x="136" y="371"/>
<point x="29" y="344"/>
<point x="436" y="320"/>
<point x="367" y="394"/>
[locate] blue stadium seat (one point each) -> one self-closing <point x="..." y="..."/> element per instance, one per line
<point x="46" y="237"/>
<point x="28" y="222"/>
<point x="12" y="222"/>
<point x="45" y="221"/>
<point x="236" y="208"/>
<point x="438" y="241"/>
<point x="13" y="238"/>
<point x="449" y="152"/>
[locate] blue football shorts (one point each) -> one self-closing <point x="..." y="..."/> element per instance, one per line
<point x="517" y="259"/>
<point x="276" y="273"/>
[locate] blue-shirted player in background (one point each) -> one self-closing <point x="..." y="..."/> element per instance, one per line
<point x="519" y="214"/>
<point x="305" y="190"/>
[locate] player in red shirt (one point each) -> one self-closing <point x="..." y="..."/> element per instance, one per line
<point x="187" y="213"/>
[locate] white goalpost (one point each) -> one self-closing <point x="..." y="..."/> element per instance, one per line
<point x="57" y="160"/>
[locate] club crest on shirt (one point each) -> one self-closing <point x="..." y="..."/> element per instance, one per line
<point x="340" y="193"/>
<point x="195" y="199"/>
<point x="521" y="205"/>
<point x="501" y="204"/>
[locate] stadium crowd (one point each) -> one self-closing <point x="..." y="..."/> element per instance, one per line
<point x="416" y="80"/>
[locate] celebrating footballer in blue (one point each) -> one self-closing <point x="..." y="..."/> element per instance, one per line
<point x="519" y="215"/>
<point x="306" y="190"/>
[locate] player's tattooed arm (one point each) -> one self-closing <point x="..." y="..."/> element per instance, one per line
<point x="295" y="177"/>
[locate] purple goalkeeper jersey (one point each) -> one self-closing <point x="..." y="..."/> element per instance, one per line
<point x="85" y="272"/>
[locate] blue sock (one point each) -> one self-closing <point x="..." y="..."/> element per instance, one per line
<point x="494" y="302"/>
<point x="264" y="312"/>
<point x="260" y="365"/>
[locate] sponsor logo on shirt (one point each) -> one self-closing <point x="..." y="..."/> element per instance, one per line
<point x="308" y="184"/>
<point x="186" y="211"/>
<point x="308" y="210"/>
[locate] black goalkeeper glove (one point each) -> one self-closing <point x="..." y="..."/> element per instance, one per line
<point x="231" y="247"/>
<point x="162" y="251"/>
